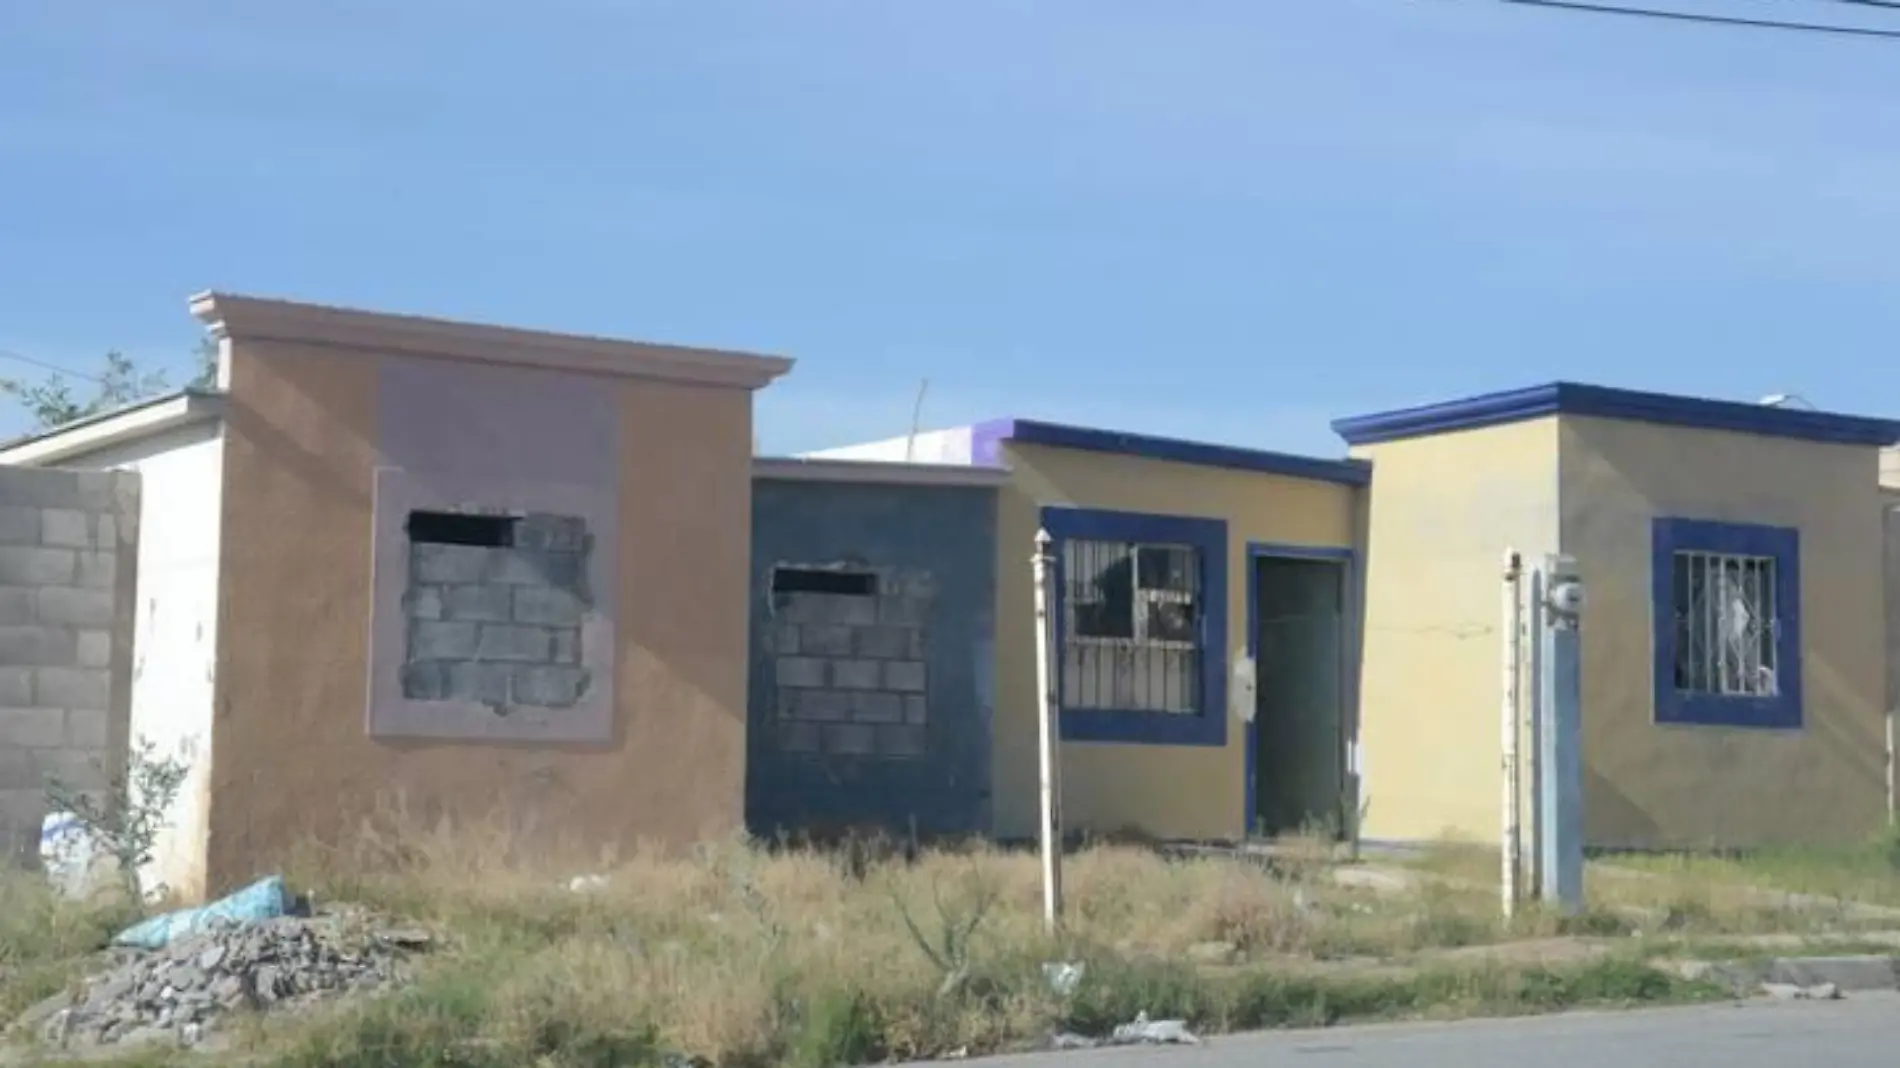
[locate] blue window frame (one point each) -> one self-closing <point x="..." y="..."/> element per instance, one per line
<point x="1726" y="612"/>
<point x="1140" y="626"/>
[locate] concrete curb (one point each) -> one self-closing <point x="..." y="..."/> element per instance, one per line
<point x="1795" y="977"/>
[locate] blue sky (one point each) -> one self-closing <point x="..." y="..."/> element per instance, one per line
<point x="1224" y="219"/>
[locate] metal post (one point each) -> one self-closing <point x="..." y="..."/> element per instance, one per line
<point x="1048" y="738"/>
<point x="1561" y="737"/>
<point x="1509" y="846"/>
<point x="1532" y="841"/>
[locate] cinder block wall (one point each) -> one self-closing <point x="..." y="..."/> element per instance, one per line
<point x="872" y="627"/>
<point x="68" y="542"/>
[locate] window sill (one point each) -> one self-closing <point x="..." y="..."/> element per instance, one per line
<point x="1142" y="728"/>
<point x="1755" y="713"/>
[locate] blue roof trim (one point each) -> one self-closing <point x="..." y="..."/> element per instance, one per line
<point x="1573" y="398"/>
<point x="985" y="437"/>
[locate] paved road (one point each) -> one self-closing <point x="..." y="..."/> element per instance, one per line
<point x="1861" y="1030"/>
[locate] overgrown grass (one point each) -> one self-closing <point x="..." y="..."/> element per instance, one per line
<point x="1866" y="873"/>
<point x="45" y="939"/>
<point x="742" y="957"/>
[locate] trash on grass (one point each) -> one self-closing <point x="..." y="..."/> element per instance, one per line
<point x="69" y="855"/>
<point x="265" y="899"/>
<point x="1140" y="1031"/>
<point x="1063" y="976"/>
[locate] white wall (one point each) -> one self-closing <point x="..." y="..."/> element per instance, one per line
<point x="175" y="640"/>
<point x="929" y="447"/>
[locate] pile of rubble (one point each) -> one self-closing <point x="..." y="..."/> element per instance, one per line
<point x="180" y="993"/>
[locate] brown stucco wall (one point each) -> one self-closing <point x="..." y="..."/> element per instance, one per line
<point x="294" y="757"/>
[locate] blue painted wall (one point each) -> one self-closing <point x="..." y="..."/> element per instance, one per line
<point x="871" y="710"/>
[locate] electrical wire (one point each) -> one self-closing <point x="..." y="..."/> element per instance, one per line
<point x="1582" y="7"/>
<point x="9" y="354"/>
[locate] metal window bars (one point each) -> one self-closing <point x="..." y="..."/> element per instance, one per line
<point x="1727" y="620"/>
<point x="1131" y="635"/>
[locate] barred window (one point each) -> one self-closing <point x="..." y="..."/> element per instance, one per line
<point x="1131" y="626"/>
<point x="1727" y="622"/>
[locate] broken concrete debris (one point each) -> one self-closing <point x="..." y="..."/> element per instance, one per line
<point x="181" y="993"/>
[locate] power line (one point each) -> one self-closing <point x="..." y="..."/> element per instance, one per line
<point x="1716" y="20"/>
<point x="9" y="354"/>
<point x="1885" y="5"/>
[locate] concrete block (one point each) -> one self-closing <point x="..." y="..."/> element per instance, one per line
<point x="567" y="646"/>
<point x="902" y="611"/>
<point x="482" y="683"/>
<point x="799" y="737"/>
<point x="916" y="647"/>
<point x="442" y="640"/>
<point x="79" y="769"/>
<point x="906" y="676"/>
<point x="785" y="639"/>
<point x="800" y="608"/>
<point x="32" y="728"/>
<point x="825" y="639"/>
<point x="562" y="533"/>
<point x="547" y="607"/>
<point x="22" y="565"/>
<point x="106" y="532"/>
<point x="423" y="602"/>
<point x="916" y="711"/>
<point x="36" y="646"/>
<point x="19" y="525"/>
<point x="93" y="648"/>
<point x="531" y="567"/>
<point x="850" y="739"/>
<point x="506" y="642"/>
<point x="56" y="687"/>
<point x="549" y="686"/>
<point x="18" y="606"/>
<point x="854" y="674"/>
<point x="64" y="526"/>
<point x="16" y="687"/>
<point x="73" y="606"/>
<point x="88" y="728"/>
<point x="446" y="565"/>
<point x="817" y="704"/>
<point x="853" y="611"/>
<point x="877" y="707"/>
<point x="900" y="741"/>
<point x="799" y="671"/>
<point x="426" y="680"/>
<point x="19" y="770"/>
<point x="99" y="571"/>
<point x="883" y="643"/>
<point x="477" y="604"/>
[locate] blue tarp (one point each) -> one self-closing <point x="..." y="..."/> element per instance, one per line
<point x="265" y="899"/>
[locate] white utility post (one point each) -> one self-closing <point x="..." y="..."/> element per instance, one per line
<point x="1560" y="736"/>
<point x="1513" y="647"/>
<point x="1048" y="738"/>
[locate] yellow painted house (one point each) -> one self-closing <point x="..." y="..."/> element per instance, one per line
<point x="1734" y="646"/>
<point x="1252" y="642"/>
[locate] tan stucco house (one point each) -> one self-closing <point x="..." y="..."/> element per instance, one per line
<point x="479" y="568"/>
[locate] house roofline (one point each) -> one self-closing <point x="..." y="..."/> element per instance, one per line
<point x="120" y="426"/>
<point x="244" y="318"/>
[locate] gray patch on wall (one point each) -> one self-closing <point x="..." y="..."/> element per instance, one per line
<point x="848" y="654"/>
<point x="494" y="607"/>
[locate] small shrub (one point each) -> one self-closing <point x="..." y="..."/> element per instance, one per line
<point x="127" y="821"/>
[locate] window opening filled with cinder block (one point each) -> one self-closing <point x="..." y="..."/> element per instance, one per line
<point x="850" y="660"/>
<point x="496" y="605"/>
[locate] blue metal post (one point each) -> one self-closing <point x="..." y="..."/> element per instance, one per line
<point x="1560" y="753"/>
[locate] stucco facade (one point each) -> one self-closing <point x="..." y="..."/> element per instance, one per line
<point x="1639" y="489"/>
<point x="1177" y="774"/>
<point x="463" y="569"/>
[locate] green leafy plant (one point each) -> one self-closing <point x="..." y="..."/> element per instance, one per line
<point x="127" y="820"/>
